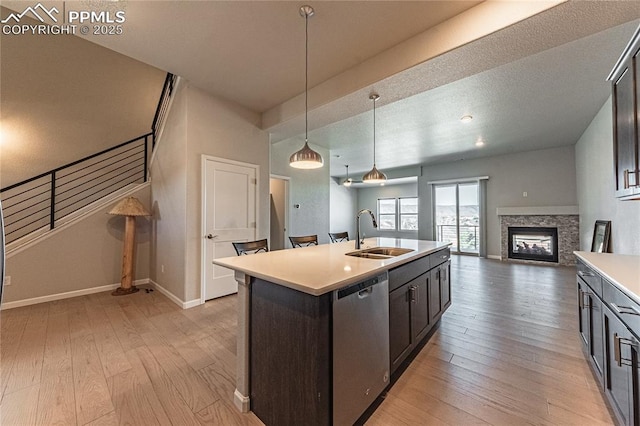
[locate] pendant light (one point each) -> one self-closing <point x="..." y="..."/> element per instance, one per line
<point x="348" y="181"/>
<point x="306" y="158"/>
<point x="375" y="175"/>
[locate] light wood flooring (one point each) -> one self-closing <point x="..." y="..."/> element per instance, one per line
<point x="507" y="352"/>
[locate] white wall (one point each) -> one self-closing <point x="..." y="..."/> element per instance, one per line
<point x="198" y="124"/>
<point x="168" y="190"/>
<point x="368" y="199"/>
<point x="226" y="130"/>
<point x="343" y="208"/>
<point x="596" y="197"/>
<point x="309" y="189"/>
<point x="548" y="177"/>
<point x="64" y="98"/>
<point x="85" y="255"/>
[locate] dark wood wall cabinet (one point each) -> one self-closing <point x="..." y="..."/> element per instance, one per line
<point x="625" y="89"/>
<point x="609" y="324"/>
<point x="419" y="293"/>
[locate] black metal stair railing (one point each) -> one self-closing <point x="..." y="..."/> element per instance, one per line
<point x="38" y="203"/>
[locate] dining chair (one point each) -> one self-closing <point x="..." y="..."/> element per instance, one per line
<point x="337" y="237"/>
<point x="306" y="241"/>
<point x="251" y="247"/>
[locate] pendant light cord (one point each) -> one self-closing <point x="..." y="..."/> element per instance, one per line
<point x="306" y="77"/>
<point x="374" y="132"/>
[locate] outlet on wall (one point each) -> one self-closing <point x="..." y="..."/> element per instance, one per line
<point x="7" y="280"/>
<point x="524" y="194"/>
<point x="162" y="268"/>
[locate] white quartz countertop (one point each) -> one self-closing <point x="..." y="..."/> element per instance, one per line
<point x="317" y="270"/>
<point x="622" y="270"/>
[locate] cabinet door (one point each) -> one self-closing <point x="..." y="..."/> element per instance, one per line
<point x="434" y="295"/>
<point x="445" y="285"/>
<point x="618" y="378"/>
<point x="419" y="295"/>
<point x="625" y="143"/>
<point x="583" y="314"/>
<point x="399" y="326"/>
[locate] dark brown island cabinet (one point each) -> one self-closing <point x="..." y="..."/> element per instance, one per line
<point x="291" y="355"/>
<point x="609" y="324"/>
<point x="625" y="89"/>
<point x="419" y="293"/>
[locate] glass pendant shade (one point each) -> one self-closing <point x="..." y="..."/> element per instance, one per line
<point x="374" y="176"/>
<point x="306" y="158"/>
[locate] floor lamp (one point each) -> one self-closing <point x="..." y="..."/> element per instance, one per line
<point x="129" y="207"/>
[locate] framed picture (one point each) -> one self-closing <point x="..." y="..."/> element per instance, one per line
<point x="601" y="233"/>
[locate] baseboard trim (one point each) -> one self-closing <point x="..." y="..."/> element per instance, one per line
<point x="174" y="298"/>
<point x="66" y="295"/>
<point x="494" y="257"/>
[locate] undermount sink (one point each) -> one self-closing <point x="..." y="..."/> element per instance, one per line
<point x="379" y="252"/>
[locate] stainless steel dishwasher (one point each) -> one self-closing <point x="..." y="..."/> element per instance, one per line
<point x="360" y="347"/>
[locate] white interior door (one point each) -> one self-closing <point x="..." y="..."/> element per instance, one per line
<point x="229" y="214"/>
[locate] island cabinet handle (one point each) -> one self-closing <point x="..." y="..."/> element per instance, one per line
<point x="629" y="310"/>
<point x="586" y="274"/>
<point x="412" y="293"/>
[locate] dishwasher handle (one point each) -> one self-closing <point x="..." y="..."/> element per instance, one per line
<point x="365" y="293"/>
<point x="363" y="288"/>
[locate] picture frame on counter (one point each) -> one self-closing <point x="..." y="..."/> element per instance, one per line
<point x="601" y="236"/>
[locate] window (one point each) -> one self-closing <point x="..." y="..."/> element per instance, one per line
<point x="408" y="214"/>
<point x="387" y="213"/>
<point x="398" y="213"/>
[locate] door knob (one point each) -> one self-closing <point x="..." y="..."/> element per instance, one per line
<point x="211" y="237"/>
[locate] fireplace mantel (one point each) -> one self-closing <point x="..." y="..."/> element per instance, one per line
<point x="537" y="211"/>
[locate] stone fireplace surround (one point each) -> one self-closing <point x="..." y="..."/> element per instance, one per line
<point x="565" y="218"/>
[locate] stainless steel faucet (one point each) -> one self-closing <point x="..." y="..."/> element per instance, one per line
<point x="373" y="219"/>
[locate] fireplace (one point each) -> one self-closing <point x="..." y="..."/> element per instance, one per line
<point x="533" y="243"/>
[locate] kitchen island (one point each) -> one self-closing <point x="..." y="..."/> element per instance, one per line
<point x="285" y="319"/>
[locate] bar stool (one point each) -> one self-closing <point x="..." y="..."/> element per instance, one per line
<point x="337" y="237"/>
<point x="306" y="241"/>
<point x="251" y="247"/>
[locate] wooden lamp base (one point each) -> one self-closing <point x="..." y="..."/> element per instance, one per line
<point x="124" y="291"/>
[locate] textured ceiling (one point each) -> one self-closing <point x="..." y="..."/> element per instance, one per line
<point x="541" y="101"/>
<point x="530" y="72"/>
<point x="252" y="52"/>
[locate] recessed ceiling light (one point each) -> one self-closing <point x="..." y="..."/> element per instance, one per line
<point x="466" y="118"/>
<point x="479" y="142"/>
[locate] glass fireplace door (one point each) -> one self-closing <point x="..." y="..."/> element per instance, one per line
<point x="457" y="216"/>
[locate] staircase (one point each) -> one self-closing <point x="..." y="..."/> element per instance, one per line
<point x="37" y="205"/>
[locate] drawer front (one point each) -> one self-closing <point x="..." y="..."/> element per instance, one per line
<point x="405" y="273"/>
<point x="590" y="277"/>
<point x="623" y="306"/>
<point x="440" y="257"/>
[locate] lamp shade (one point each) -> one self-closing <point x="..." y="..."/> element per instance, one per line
<point x="306" y="158"/>
<point x="374" y="176"/>
<point x="129" y="206"/>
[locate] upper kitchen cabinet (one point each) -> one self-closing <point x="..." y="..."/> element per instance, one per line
<point x="626" y="115"/>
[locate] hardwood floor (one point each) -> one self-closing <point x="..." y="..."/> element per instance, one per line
<point x="507" y="353"/>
